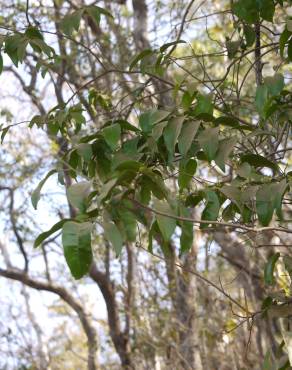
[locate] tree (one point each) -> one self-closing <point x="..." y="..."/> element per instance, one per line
<point x="162" y="147"/>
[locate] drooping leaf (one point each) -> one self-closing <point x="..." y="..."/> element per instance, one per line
<point x="169" y="44"/>
<point x="257" y="160"/>
<point x="269" y="269"/>
<point x="187" y="231"/>
<point x="155" y="184"/>
<point x="246" y="10"/>
<point x="187" y="135"/>
<point x="113" y="235"/>
<point x="186" y="173"/>
<point x="267" y="9"/>
<point x="77" y="195"/>
<point x="95" y="11"/>
<point x="43" y="236"/>
<point x="166" y="224"/>
<point x="249" y="35"/>
<point x="36" y="194"/>
<point x="265" y="204"/>
<point x="212" y="208"/>
<point x="105" y="190"/>
<point x="290" y="50"/>
<point x="128" y="220"/>
<point x="76" y="240"/>
<point x="112" y="135"/>
<point x="204" y="105"/>
<point x="232" y="48"/>
<point x="158" y="130"/>
<point x="232" y="122"/>
<point x="15" y="46"/>
<point x="171" y="133"/>
<point x="85" y="151"/>
<point x="224" y="150"/>
<point x="187" y="100"/>
<point x="209" y="141"/>
<point x="285" y="35"/>
<point x="261" y="98"/>
<point x="244" y="170"/>
<point x="71" y="22"/>
<point x="275" y="84"/>
<point x="139" y="57"/>
<point x="33" y="33"/>
<point x="148" y="119"/>
<point x="278" y="189"/>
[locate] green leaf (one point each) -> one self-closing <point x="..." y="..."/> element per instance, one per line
<point x="104" y="11"/>
<point x="278" y="189"/>
<point x="275" y="84"/>
<point x="155" y="183"/>
<point x="265" y="204"/>
<point x="48" y="233"/>
<point x="290" y="50"/>
<point x="158" y="130"/>
<point x="139" y="57"/>
<point x="148" y="119"/>
<point x="76" y="239"/>
<point x="187" y="100"/>
<point x="232" y="48"/>
<point x="187" y="135"/>
<point x="261" y="98"/>
<point x="94" y="13"/>
<point x="224" y="150"/>
<point x="269" y="269"/>
<point x="257" y="160"/>
<point x="209" y="141"/>
<point x="15" y="47"/>
<point x="112" y="135"/>
<point x="267" y="9"/>
<point x="246" y="10"/>
<point x="113" y="235"/>
<point x="212" y="208"/>
<point x="77" y="195"/>
<point x="249" y="35"/>
<point x="186" y="173"/>
<point x="40" y="46"/>
<point x="187" y="231"/>
<point x="128" y="220"/>
<point x="35" y="196"/>
<point x="166" y="224"/>
<point x="85" y="151"/>
<point x="126" y="126"/>
<point x="244" y="170"/>
<point x="129" y="165"/>
<point x="4" y="133"/>
<point x="71" y="22"/>
<point x="232" y="122"/>
<point x="285" y="35"/>
<point x="105" y="190"/>
<point x="171" y="133"/>
<point x="169" y="44"/>
<point x="204" y="105"/>
<point x="234" y="194"/>
<point x="33" y="33"/>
